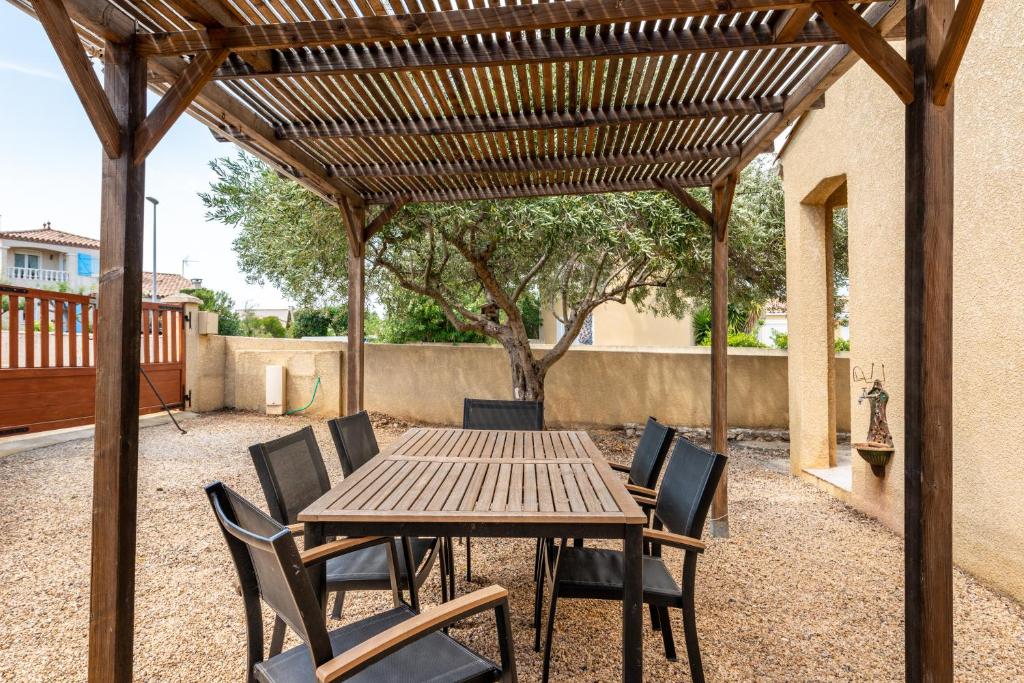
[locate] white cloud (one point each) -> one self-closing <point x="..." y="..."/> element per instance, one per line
<point x="26" y="70"/>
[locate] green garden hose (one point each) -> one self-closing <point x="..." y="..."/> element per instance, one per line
<point x="316" y="386"/>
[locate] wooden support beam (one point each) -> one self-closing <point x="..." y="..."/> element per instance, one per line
<point x="115" y="459"/>
<point x="722" y="196"/>
<point x="444" y="24"/>
<point x="588" y="118"/>
<point x="867" y="42"/>
<point x="957" y="39"/>
<point x="216" y="14"/>
<point x="928" y="361"/>
<point x="57" y="23"/>
<point x="477" y="166"/>
<point x="354" y="217"/>
<point x="530" y="48"/>
<point x="382" y="218"/>
<point x="535" y="190"/>
<point x="839" y="60"/>
<point x="689" y="201"/>
<point x="790" y="24"/>
<point x="175" y="101"/>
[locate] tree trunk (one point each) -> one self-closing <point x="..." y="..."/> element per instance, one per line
<point x="527" y="375"/>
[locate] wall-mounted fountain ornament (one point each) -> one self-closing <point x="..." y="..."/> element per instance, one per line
<point x="879" y="447"/>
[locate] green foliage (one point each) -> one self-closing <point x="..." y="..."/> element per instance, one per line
<point x="780" y="339"/>
<point x="740" y="339"/>
<point x="268" y="326"/>
<point x="529" y="308"/>
<point x="413" y="318"/>
<point x="741" y="320"/>
<point x="220" y="302"/>
<point x="842" y="345"/>
<point x="328" y="321"/>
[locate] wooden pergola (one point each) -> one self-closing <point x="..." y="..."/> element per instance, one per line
<point x="383" y="102"/>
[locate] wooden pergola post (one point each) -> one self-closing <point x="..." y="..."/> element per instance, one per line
<point x="721" y="207"/>
<point x="115" y="462"/>
<point x="928" y="456"/>
<point x="354" y="217"/>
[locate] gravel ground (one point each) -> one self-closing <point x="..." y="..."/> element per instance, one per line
<point x="805" y="589"/>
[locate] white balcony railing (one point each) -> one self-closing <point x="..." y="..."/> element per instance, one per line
<point x="37" y="274"/>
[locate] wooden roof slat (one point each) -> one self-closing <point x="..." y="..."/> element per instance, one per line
<point x="443" y="24"/>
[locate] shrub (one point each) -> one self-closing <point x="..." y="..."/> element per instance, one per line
<point x="842" y="345"/>
<point x="420" y="319"/>
<point x="780" y="339"/>
<point x="740" y="340"/>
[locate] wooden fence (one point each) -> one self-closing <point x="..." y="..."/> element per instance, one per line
<point x="47" y="358"/>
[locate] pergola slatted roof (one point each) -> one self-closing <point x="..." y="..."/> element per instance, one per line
<point x="372" y="101"/>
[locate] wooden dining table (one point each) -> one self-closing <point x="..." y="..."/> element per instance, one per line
<point x="492" y="483"/>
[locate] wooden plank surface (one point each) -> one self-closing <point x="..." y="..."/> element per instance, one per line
<point x="482" y="476"/>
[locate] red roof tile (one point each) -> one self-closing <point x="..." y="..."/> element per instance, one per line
<point x="47" y="235"/>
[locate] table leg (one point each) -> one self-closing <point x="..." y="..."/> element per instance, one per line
<point x="313" y="535"/>
<point x="632" y="605"/>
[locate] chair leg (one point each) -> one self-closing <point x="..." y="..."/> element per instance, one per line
<point x="451" y="569"/>
<point x="277" y="637"/>
<point x="552" y="606"/>
<point x="655" y="618"/>
<point x="666" y="633"/>
<point x="469" y="561"/>
<point x="538" y="594"/>
<point x="339" y="601"/>
<point x="690" y="619"/>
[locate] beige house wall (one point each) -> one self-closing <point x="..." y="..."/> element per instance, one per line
<point x="858" y="137"/>
<point x="427" y="382"/>
<point x="618" y="324"/>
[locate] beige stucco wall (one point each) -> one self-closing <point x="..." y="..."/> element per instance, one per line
<point x="859" y="135"/>
<point x="618" y="324"/>
<point x="427" y="382"/>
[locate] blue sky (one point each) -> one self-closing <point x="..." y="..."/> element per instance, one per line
<point x="50" y="167"/>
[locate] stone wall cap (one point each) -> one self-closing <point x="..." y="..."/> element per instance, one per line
<point x="181" y="299"/>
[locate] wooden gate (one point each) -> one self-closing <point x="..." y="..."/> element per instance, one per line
<point x="47" y="359"/>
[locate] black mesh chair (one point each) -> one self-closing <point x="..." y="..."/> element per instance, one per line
<point x="356" y="444"/>
<point x="479" y="413"/>
<point x="682" y="506"/>
<point x="292" y="474"/>
<point x="396" y="645"/>
<point x="643" y="472"/>
<point x="354" y="438"/>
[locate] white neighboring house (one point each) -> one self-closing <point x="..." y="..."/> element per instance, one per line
<point x="774" y="321"/>
<point x="47" y="258"/>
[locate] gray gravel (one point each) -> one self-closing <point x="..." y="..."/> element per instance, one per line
<point x="805" y="590"/>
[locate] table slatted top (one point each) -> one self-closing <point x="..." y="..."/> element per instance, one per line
<point x="482" y="476"/>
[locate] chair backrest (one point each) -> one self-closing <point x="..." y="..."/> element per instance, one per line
<point x="650" y="454"/>
<point x="266" y="559"/>
<point x="480" y="413"/>
<point x="353" y="437"/>
<point x="292" y="473"/>
<point x="688" y="487"/>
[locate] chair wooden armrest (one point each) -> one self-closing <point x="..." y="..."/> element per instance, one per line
<point x="642" y="491"/>
<point x="355" y="659"/>
<point x="322" y="553"/>
<point x="674" y="540"/>
<point x="297" y="529"/>
<point x="617" y="467"/>
<point x="644" y="502"/>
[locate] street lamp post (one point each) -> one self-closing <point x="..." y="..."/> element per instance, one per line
<point x="154" y="202"/>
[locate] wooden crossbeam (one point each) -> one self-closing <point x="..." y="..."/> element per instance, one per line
<point x="421" y="26"/>
<point x="869" y="44"/>
<point x="382" y="218"/>
<point x="839" y="60"/>
<point x="589" y="118"/>
<point x="175" y="101"/>
<point x="790" y="24"/>
<point x="55" y="20"/>
<point x="529" y="48"/>
<point x="566" y="163"/>
<point x="545" y="190"/>
<point x="216" y="14"/>
<point x="957" y="39"/>
<point x="689" y="201"/>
